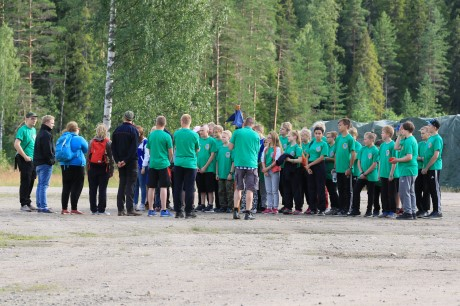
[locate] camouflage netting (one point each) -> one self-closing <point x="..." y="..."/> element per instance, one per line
<point x="449" y="131"/>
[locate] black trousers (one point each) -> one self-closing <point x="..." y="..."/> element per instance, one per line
<point x="359" y="185"/>
<point x="422" y="194"/>
<point x="28" y="176"/>
<point x="292" y="185"/>
<point x="432" y="188"/>
<point x="316" y="187"/>
<point x="345" y="191"/>
<point x="73" y="178"/>
<point x="184" y="180"/>
<point x="388" y="194"/>
<point x="98" y="178"/>
<point x="332" y="189"/>
<point x="128" y="177"/>
<point x="305" y="192"/>
<point x="281" y="187"/>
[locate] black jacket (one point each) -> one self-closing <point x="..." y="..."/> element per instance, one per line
<point x="125" y="140"/>
<point x="44" y="150"/>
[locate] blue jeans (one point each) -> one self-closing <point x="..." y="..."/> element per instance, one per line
<point x="44" y="176"/>
<point x="141" y="183"/>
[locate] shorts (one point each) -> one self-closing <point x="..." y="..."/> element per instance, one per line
<point x="206" y="182"/>
<point x="247" y="179"/>
<point x="159" y="178"/>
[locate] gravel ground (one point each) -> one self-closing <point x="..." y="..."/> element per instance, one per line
<point x="53" y="259"/>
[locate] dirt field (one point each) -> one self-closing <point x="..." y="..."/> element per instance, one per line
<point x="213" y="260"/>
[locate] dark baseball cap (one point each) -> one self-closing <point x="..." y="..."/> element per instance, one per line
<point x="435" y="123"/>
<point x="129" y="115"/>
<point x="31" y="114"/>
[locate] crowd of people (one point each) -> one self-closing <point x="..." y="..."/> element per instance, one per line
<point x="240" y="172"/>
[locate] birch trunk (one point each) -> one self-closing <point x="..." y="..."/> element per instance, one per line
<point x="107" y="119"/>
<point x="217" y="74"/>
<point x="277" y="88"/>
<point x="63" y="91"/>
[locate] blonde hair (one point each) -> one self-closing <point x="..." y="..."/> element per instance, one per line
<point x="371" y="136"/>
<point x="320" y="124"/>
<point x="307" y="132"/>
<point x="161" y="121"/>
<point x="389" y="130"/>
<point x="275" y="140"/>
<point x="296" y="134"/>
<point x="333" y="134"/>
<point x="227" y="133"/>
<point x="287" y="126"/>
<point x="101" y="131"/>
<point x="353" y="131"/>
<point x="218" y="128"/>
<point x="186" y="119"/>
<point x="47" y="118"/>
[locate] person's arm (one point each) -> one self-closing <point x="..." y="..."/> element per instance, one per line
<point x="398" y="143"/>
<point x="17" y="146"/>
<point x="170" y="155"/>
<point x="404" y="159"/>
<point x="230" y="174"/>
<point x="211" y="157"/>
<point x="364" y="174"/>
<point x="231" y="146"/>
<point x="111" y="162"/>
<point x="431" y="162"/>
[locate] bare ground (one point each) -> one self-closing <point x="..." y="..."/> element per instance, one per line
<point x="213" y="260"/>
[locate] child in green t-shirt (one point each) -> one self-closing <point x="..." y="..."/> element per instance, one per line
<point x="368" y="176"/>
<point x="292" y="180"/>
<point x="224" y="173"/>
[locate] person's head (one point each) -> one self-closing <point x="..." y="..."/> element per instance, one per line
<point x="101" y="131"/>
<point x="285" y="128"/>
<point x="344" y="125"/>
<point x="218" y="130"/>
<point x="249" y="122"/>
<point x="433" y="126"/>
<point x="353" y="132"/>
<point x="128" y="116"/>
<point x="204" y="131"/>
<point x="369" y="139"/>
<point x="185" y="120"/>
<point x="407" y="128"/>
<point x="273" y="139"/>
<point x="31" y="119"/>
<point x="387" y="132"/>
<point x="330" y="137"/>
<point x="319" y="132"/>
<point x="226" y="136"/>
<point x="424" y="133"/>
<point x="294" y="137"/>
<point x="72" y="127"/>
<point x="160" y="122"/>
<point x="321" y="124"/>
<point x="48" y="120"/>
<point x="259" y="129"/>
<point x="305" y="135"/>
<point x="211" y="126"/>
<point x="140" y="130"/>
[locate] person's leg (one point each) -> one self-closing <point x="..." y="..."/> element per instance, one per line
<point x="189" y="186"/>
<point x="312" y="192"/>
<point x="27" y="171"/>
<point x="404" y="194"/>
<point x="343" y="185"/>
<point x="419" y="191"/>
<point x="281" y="188"/>
<point x="385" y="195"/>
<point x="103" y="182"/>
<point x="46" y="176"/>
<point x="297" y="189"/>
<point x="143" y="188"/>
<point x="435" y="189"/>
<point x="93" y="185"/>
<point x="129" y="187"/>
<point x="239" y="176"/>
<point x="136" y="189"/>
<point x="275" y="189"/>
<point x="77" y="186"/>
<point x="359" y="185"/>
<point x="320" y="182"/>
<point x="177" y="189"/>
<point x="40" y="190"/>
<point x="332" y="190"/>
<point x="229" y="192"/>
<point x="412" y="195"/>
<point x="222" y="193"/>
<point x="268" y="188"/>
<point x="66" y="186"/>
<point x="376" y="199"/>
<point x="370" y="196"/>
<point x="288" y="195"/>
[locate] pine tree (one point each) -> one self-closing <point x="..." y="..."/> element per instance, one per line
<point x="409" y="106"/>
<point x="454" y="56"/>
<point x="427" y="102"/>
<point x="366" y="65"/>
<point x="386" y="46"/>
<point x="361" y="99"/>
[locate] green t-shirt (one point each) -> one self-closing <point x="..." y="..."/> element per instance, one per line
<point x="186" y="143"/>
<point x="295" y="151"/>
<point x="387" y="151"/>
<point x="224" y="161"/>
<point x="433" y="144"/>
<point x="246" y="147"/>
<point x="207" y="146"/>
<point x="408" y="146"/>
<point x="343" y="148"/>
<point x="284" y="142"/>
<point x="316" y="150"/>
<point x="421" y="153"/>
<point x="367" y="156"/>
<point x="27" y="137"/>
<point x="158" y="143"/>
<point x="330" y="164"/>
<point x="305" y="147"/>
<point x="219" y="143"/>
<point x="355" y="170"/>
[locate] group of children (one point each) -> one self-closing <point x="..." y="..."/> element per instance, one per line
<point x="329" y="168"/>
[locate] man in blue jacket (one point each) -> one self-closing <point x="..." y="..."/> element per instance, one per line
<point x="125" y="140"/>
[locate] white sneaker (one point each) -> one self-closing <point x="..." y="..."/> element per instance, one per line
<point x="106" y="213"/>
<point x="140" y="207"/>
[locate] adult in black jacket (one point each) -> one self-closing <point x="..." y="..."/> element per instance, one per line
<point x="44" y="158"/>
<point x="125" y="140"/>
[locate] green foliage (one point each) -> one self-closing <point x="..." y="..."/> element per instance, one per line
<point x="361" y="98"/>
<point x="427" y="102"/>
<point x="410" y="108"/>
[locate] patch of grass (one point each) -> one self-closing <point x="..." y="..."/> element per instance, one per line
<point x="84" y="234"/>
<point x="33" y="288"/>
<point x="204" y="230"/>
<point x="7" y="239"/>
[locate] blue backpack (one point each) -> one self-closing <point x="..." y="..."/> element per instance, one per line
<point x="64" y="153"/>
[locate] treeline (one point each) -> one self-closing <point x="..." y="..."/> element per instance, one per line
<point x="281" y="60"/>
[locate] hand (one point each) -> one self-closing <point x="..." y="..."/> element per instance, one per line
<point x="424" y="171"/>
<point x="264" y="169"/>
<point x="27" y="159"/>
<point x="393" y="161"/>
<point x="391" y="177"/>
<point x="143" y="171"/>
<point x="362" y="177"/>
<point x="288" y="159"/>
<point x="217" y="177"/>
<point x="121" y="164"/>
<point x="348" y="172"/>
<point x="309" y="171"/>
<point x="202" y="170"/>
<point x="229" y="177"/>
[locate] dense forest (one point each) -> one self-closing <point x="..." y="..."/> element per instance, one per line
<point x="281" y="60"/>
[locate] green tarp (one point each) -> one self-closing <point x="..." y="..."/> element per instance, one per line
<point x="449" y="131"/>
